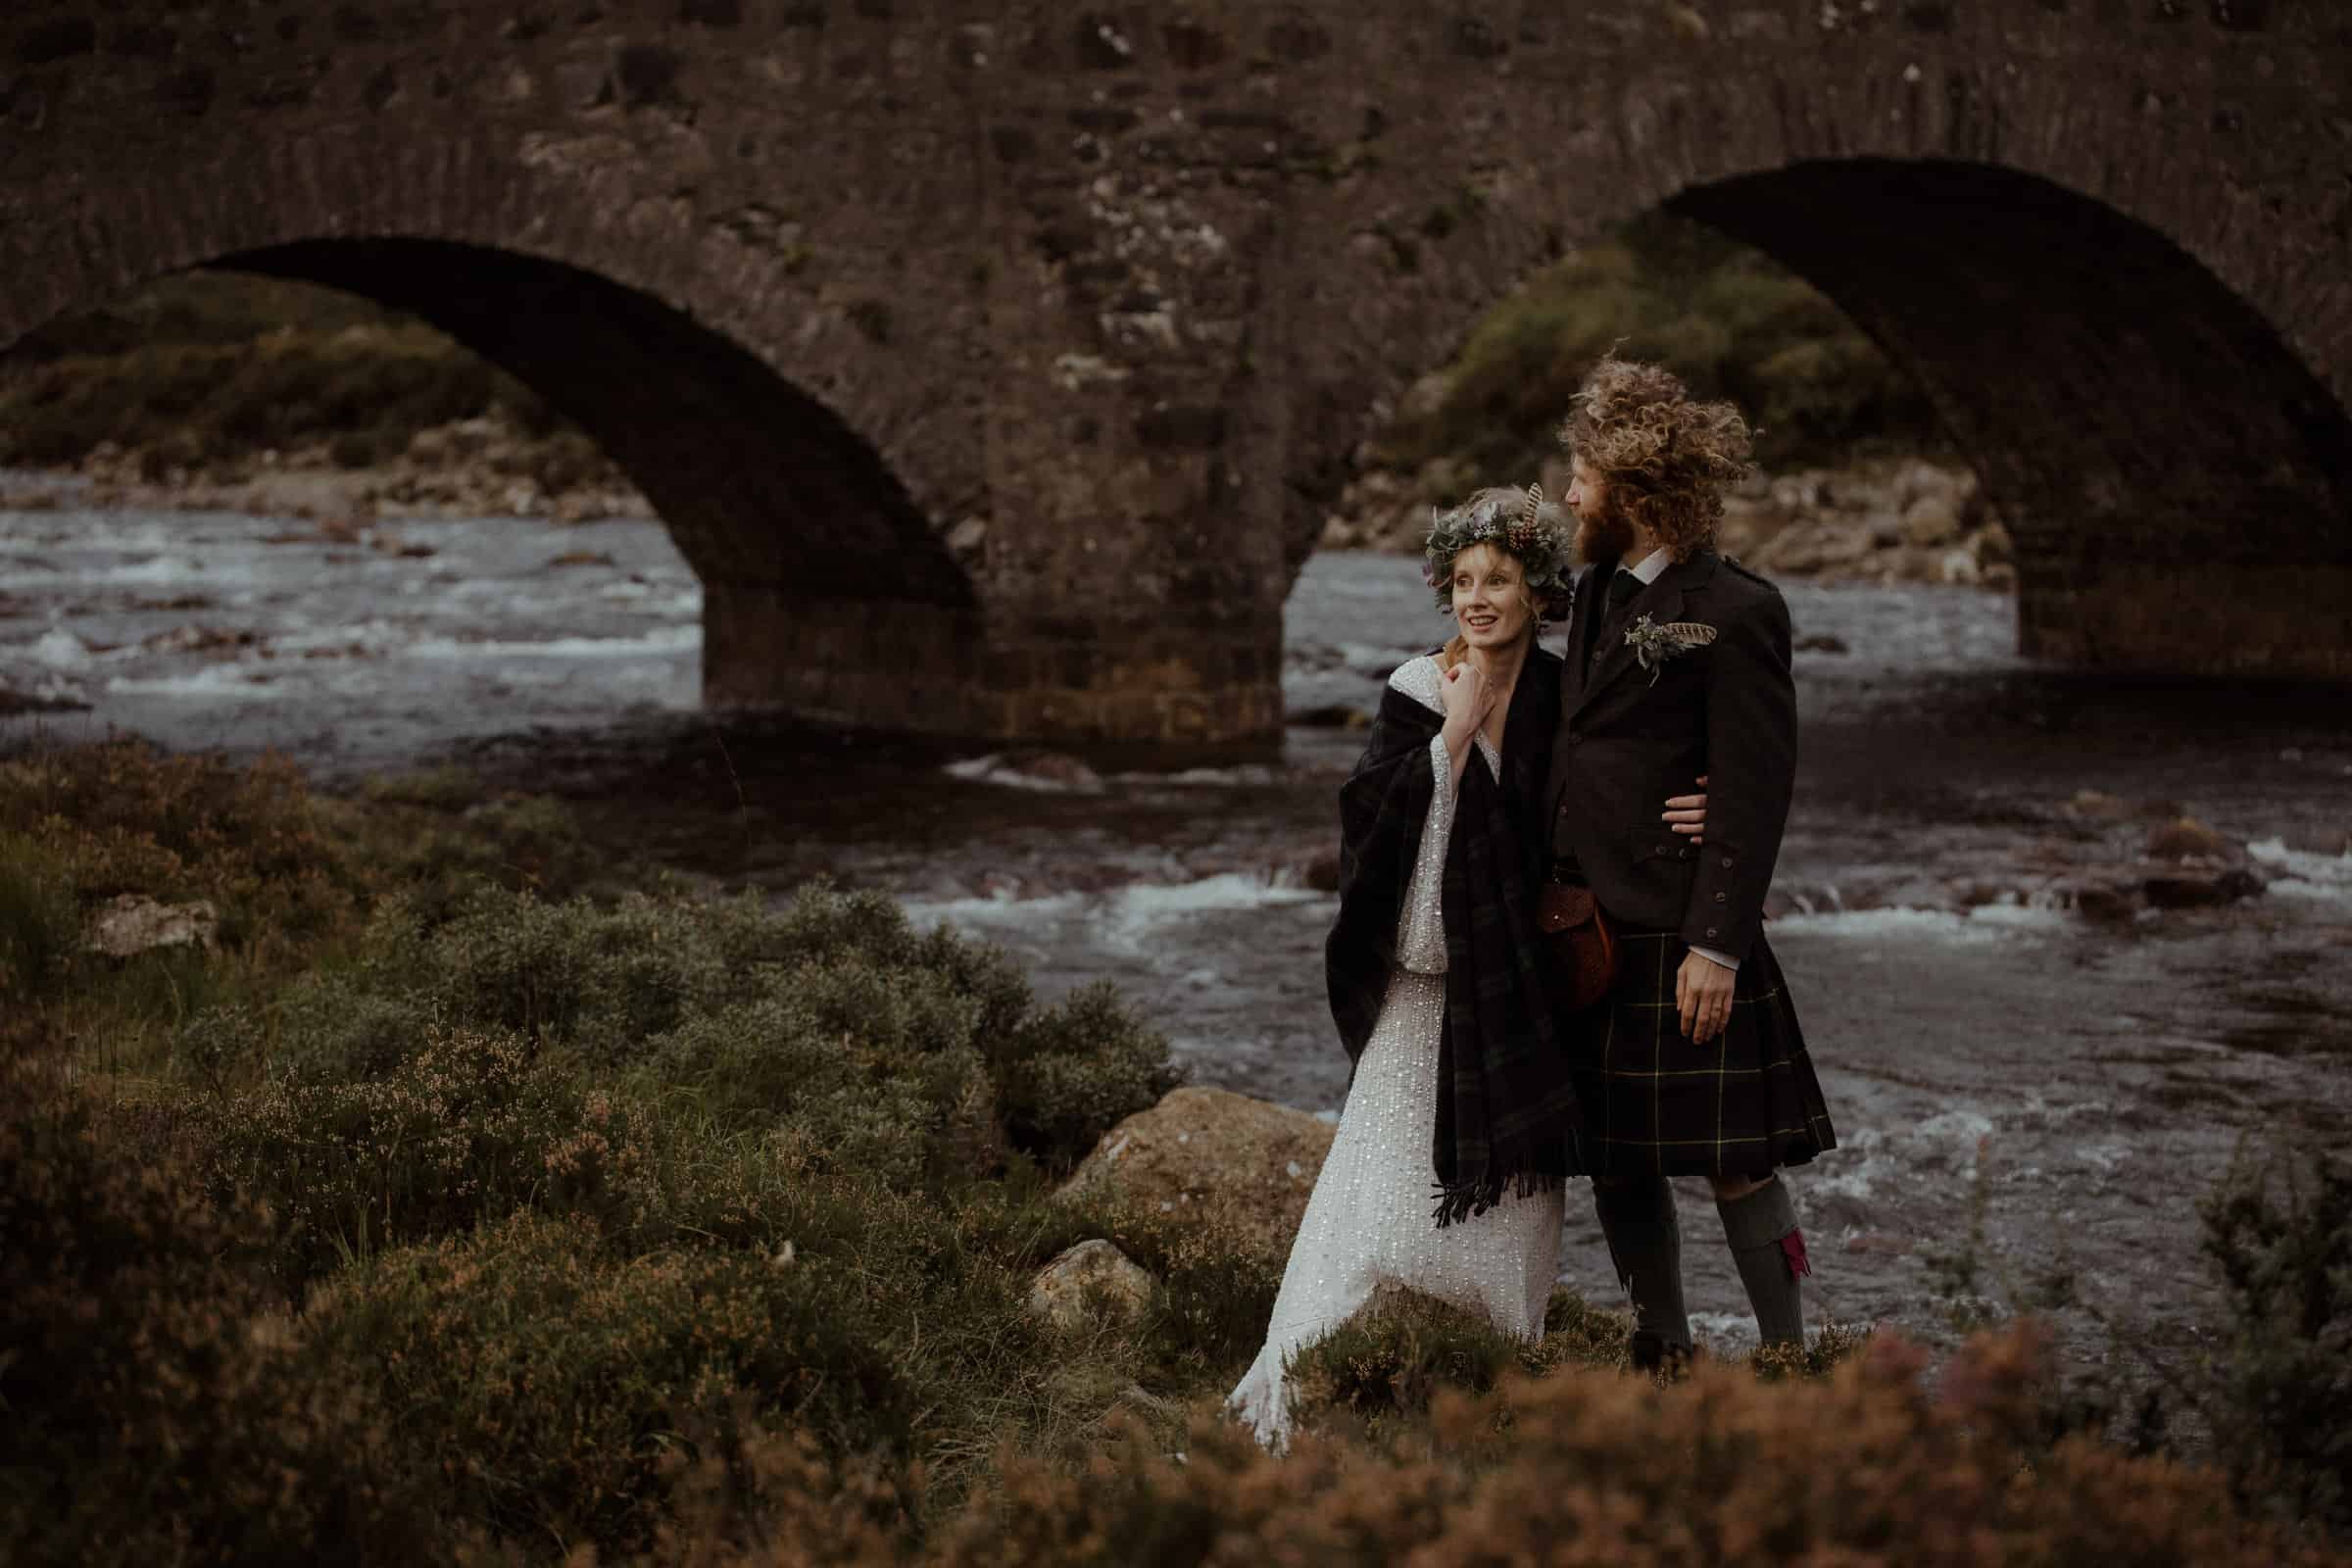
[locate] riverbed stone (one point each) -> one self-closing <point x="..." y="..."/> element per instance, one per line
<point x="1248" y="1161"/>
<point x="2198" y="887"/>
<point x="2184" y="838"/>
<point x="1931" y="519"/>
<point x="1090" y="1278"/>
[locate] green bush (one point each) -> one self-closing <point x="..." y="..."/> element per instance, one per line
<point x="40" y="924"/>
<point x="548" y="1379"/>
<point x="159" y="1409"/>
<point x="2280" y="1234"/>
<point x="469" y="1128"/>
<point x="1728" y="320"/>
<point x="1066" y="1075"/>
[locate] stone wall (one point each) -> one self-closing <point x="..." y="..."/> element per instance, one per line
<point x="1016" y="352"/>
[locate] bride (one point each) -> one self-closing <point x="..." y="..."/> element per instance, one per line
<point x="1460" y="1099"/>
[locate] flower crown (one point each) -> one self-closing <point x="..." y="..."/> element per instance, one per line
<point x="1522" y="523"/>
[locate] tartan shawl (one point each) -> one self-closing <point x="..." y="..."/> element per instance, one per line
<point x="1507" y="1111"/>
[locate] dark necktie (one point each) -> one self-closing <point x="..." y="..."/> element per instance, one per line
<point x="1622" y="588"/>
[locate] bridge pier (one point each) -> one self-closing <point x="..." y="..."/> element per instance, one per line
<point x="2251" y="618"/>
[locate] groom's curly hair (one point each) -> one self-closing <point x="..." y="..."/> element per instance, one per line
<point x="1665" y="456"/>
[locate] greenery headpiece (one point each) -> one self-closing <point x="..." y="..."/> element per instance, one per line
<point x="1521" y="522"/>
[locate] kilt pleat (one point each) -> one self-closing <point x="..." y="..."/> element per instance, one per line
<point x="1655" y="1103"/>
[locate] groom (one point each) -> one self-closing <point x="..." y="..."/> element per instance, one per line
<point x="1678" y="664"/>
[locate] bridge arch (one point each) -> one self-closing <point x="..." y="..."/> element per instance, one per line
<point x="816" y="503"/>
<point x="2175" y="475"/>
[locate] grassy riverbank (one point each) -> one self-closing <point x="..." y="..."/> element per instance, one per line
<point x="478" y="1193"/>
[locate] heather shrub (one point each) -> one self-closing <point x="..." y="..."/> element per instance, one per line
<point x="1069" y="1073"/>
<point x="130" y="818"/>
<point x="1589" y="1466"/>
<point x="467" y="1128"/>
<point x="158" y="1408"/>
<point x="2280" y="1235"/>
<point x="546" y="1378"/>
<point x="1391" y="1358"/>
<point x="39" y="921"/>
<point x="1216" y="1282"/>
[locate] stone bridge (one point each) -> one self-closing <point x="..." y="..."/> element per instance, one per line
<point x="993" y="365"/>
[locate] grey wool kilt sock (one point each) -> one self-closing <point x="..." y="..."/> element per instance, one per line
<point x="1770" y="1252"/>
<point x="1637" y="1220"/>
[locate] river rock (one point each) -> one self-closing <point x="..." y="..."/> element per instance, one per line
<point x="133" y="923"/>
<point x="1930" y="520"/>
<point x="2198" y="888"/>
<point x="2184" y="838"/>
<point x="1242" y="1159"/>
<point x="1806" y="548"/>
<point x="1093" y="1275"/>
<point x="1992" y="545"/>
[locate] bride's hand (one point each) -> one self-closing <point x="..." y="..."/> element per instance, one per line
<point x="1687" y="815"/>
<point x="1467" y="698"/>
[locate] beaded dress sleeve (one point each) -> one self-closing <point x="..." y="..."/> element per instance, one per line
<point x="1421" y="929"/>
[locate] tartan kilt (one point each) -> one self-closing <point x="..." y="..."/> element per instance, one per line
<point x="1654" y="1104"/>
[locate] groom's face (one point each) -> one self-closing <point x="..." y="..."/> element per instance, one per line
<point x="1603" y="532"/>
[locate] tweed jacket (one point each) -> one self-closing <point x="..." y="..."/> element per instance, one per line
<point x="1626" y="741"/>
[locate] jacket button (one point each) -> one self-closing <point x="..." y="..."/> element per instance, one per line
<point x="1726" y="863"/>
<point x="1718" y="898"/>
<point x="1574" y="739"/>
<point x="1710" y="930"/>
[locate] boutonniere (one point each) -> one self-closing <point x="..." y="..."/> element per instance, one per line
<point x="1654" y="644"/>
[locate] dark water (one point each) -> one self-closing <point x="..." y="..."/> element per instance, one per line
<point x="1991" y="1057"/>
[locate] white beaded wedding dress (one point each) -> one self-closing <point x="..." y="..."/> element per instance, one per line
<point x="1369" y="1220"/>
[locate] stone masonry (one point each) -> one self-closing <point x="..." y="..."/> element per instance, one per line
<point x="993" y="365"/>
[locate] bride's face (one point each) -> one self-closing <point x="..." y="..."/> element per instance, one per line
<point x="1489" y="596"/>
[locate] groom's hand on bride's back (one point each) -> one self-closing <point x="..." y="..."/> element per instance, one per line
<point x="1687" y="815"/>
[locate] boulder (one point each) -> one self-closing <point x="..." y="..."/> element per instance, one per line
<point x="1806" y="548"/>
<point x="2184" y="838"/>
<point x="1090" y="1277"/>
<point x="2199" y="888"/>
<point x="1930" y="520"/>
<point x="1960" y="569"/>
<point x="2104" y="898"/>
<point x="1242" y="1159"/>
<point x="133" y="924"/>
<point x="1994" y="546"/>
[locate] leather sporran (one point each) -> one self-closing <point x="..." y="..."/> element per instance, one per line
<point x="1584" y="949"/>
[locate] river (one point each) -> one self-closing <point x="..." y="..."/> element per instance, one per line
<point x="1998" y="1062"/>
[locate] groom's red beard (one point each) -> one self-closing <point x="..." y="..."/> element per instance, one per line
<point x="1606" y="534"/>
